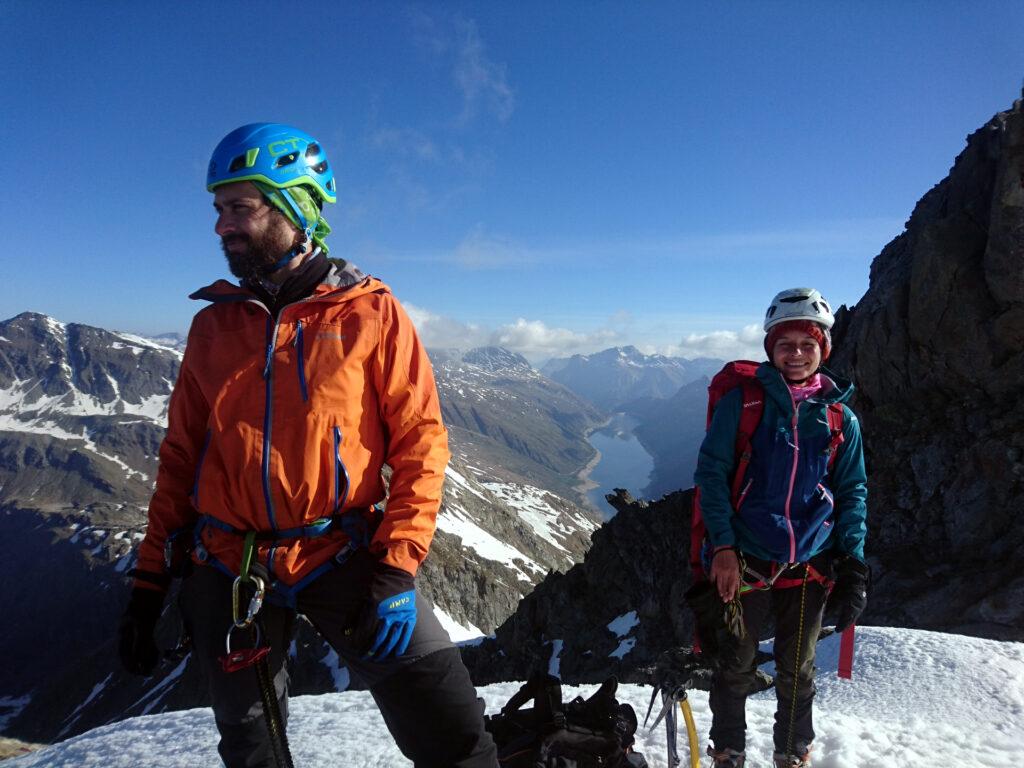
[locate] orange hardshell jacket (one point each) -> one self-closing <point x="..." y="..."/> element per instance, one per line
<point x="266" y="418"/>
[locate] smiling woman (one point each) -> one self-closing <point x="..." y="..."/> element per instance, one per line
<point x="785" y="514"/>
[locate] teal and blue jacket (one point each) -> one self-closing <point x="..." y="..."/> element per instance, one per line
<point x="791" y="506"/>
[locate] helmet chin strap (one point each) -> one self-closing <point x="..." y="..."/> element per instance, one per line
<point x="286" y="259"/>
<point x="307" y="230"/>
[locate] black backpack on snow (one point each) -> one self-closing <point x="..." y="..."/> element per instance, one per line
<point x="584" y="733"/>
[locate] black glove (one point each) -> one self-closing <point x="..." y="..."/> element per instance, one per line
<point x="849" y="596"/>
<point x="137" y="646"/>
<point x="392" y="611"/>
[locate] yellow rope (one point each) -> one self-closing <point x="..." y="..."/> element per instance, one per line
<point x="796" y="669"/>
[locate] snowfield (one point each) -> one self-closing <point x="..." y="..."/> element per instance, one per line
<point x="917" y="700"/>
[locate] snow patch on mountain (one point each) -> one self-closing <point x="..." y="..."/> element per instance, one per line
<point x="456" y="521"/>
<point x="30" y="403"/>
<point x="137" y="342"/>
<point x="459" y="632"/>
<point x="535" y="509"/>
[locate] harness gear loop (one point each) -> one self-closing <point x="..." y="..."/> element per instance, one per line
<point x="248" y="549"/>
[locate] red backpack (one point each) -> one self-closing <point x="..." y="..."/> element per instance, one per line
<point x="742" y="373"/>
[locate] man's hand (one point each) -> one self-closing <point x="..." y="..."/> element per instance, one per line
<point x="393" y="598"/>
<point x="849" y="596"/>
<point x="725" y="573"/>
<point x="136" y="644"/>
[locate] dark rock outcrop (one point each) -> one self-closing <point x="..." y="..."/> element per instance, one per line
<point x="637" y="563"/>
<point x="936" y="348"/>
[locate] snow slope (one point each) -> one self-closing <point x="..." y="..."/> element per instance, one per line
<point x="917" y="700"/>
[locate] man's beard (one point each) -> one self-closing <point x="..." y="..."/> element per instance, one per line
<point x="262" y="252"/>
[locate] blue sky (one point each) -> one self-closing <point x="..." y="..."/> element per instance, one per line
<point x="556" y="177"/>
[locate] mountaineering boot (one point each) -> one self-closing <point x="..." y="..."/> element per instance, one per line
<point x="783" y="760"/>
<point x="726" y="758"/>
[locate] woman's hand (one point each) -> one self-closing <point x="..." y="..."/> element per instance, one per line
<point x="725" y="573"/>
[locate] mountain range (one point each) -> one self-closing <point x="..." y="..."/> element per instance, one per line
<point x="614" y="377"/>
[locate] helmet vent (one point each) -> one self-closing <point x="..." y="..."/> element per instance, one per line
<point x="794" y="299"/>
<point x="237" y="164"/>
<point x="312" y="150"/>
<point x="284" y="160"/>
<point x="320" y="167"/>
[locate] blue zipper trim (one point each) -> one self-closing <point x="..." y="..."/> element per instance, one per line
<point x="268" y="416"/>
<point x="340" y="473"/>
<point x="199" y="468"/>
<point x="301" y="362"/>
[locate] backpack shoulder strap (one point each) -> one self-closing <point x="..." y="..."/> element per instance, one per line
<point x="750" y="416"/>
<point x="835" y="415"/>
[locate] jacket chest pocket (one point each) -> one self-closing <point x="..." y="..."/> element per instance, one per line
<point x="333" y="362"/>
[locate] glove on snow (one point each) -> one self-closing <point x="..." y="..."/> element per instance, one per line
<point x="393" y="599"/>
<point x="849" y="596"/>
<point x="137" y="646"/>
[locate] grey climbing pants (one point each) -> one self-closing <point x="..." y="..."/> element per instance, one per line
<point x="797" y="612"/>
<point x="425" y="696"/>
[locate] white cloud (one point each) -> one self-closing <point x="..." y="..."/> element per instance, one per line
<point x="405" y="141"/>
<point x="479" y="250"/>
<point x="746" y="343"/>
<point x="533" y="339"/>
<point x="483" y="83"/>
<point x="439" y="332"/>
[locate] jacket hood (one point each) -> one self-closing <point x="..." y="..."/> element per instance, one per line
<point x="834" y="389"/>
<point x="343" y="282"/>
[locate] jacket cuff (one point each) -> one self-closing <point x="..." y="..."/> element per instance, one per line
<point x="148" y="580"/>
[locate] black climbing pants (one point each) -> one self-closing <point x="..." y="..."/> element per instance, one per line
<point x="426" y="696"/>
<point x="797" y="611"/>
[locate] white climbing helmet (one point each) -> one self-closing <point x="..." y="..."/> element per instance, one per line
<point x="799" y="304"/>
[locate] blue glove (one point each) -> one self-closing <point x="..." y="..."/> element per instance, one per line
<point x="393" y="592"/>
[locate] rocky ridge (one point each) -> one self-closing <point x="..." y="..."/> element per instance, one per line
<point x="936" y="349"/>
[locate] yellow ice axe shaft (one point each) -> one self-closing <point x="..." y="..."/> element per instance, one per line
<point x="691" y="733"/>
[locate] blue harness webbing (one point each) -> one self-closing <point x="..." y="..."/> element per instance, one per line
<point x="354" y="523"/>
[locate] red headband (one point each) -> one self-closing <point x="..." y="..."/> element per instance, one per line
<point x="811" y="328"/>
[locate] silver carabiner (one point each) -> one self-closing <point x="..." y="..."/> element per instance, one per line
<point x="255" y="603"/>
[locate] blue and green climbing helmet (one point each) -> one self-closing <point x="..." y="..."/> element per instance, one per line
<point x="274" y="154"/>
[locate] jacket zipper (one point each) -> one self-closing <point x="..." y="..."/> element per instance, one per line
<point x="199" y="469"/>
<point x="340" y="474"/>
<point x="301" y="360"/>
<point x="268" y="420"/>
<point x="268" y="414"/>
<point x="792" y="477"/>
<point x="743" y="494"/>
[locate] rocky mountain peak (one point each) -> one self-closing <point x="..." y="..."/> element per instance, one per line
<point x="497" y="359"/>
<point x="935" y="350"/>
